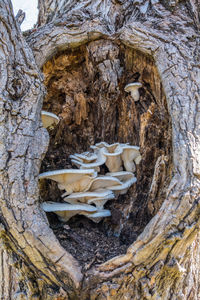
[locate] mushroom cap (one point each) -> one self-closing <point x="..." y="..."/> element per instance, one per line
<point x="55" y="206"/>
<point x="103" y="182"/>
<point x="130" y="154"/>
<point x="127" y="179"/>
<point x="85" y="157"/>
<point x="135" y="85"/>
<point x="100" y="160"/>
<point x="97" y="216"/>
<point x="112" y="151"/>
<point x="85" y="196"/>
<point x="65" y="211"/>
<point x="110" y="148"/>
<point x="49" y="119"/>
<point x="67" y="176"/>
<point x="99" y="197"/>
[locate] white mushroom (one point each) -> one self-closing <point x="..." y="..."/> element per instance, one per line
<point x="127" y="179"/>
<point x="65" y="211"/>
<point x="99" y="145"/>
<point x="48" y="119"/>
<point x="97" y="216"/>
<point x="113" y="158"/>
<point x="99" y="197"/>
<point x="85" y="157"/>
<point x="103" y="182"/>
<point x="129" y="155"/>
<point x="133" y="89"/>
<point x="84" y="164"/>
<point x="71" y="180"/>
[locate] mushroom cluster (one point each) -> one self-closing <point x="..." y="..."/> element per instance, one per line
<point x="86" y="191"/>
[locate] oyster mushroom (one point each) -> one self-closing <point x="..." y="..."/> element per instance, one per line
<point x="66" y="211"/>
<point x="127" y="179"/>
<point x="97" y="216"/>
<point x="85" y="164"/>
<point x="133" y="89"/>
<point x="113" y="158"/>
<point x="71" y="180"/>
<point x="99" y="197"/>
<point x="48" y="119"/>
<point x="129" y="155"/>
<point x="103" y="182"/>
<point x="85" y="157"/>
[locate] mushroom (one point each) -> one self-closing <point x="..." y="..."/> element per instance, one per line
<point x="99" y="145"/>
<point x="84" y="164"/>
<point x="129" y="155"/>
<point x="71" y="180"/>
<point x="127" y="179"/>
<point x="103" y="182"/>
<point x="133" y="88"/>
<point x="48" y="119"/>
<point x="113" y="158"/>
<point x="65" y="211"/>
<point x="85" y="157"/>
<point x="97" y="216"/>
<point x="99" y="197"/>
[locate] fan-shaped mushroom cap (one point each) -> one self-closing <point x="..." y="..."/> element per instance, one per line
<point x="97" y="216"/>
<point x="65" y="211"/>
<point x="100" y="160"/>
<point x="71" y="180"/>
<point x="127" y="179"/>
<point x="99" y="197"/>
<point x="48" y="119"/>
<point x="133" y="88"/>
<point x="129" y="155"/>
<point x="103" y="182"/>
<point x="111" y="148"/>
<point x="99" y="145"/>
<point x="113" y="158"/>
<point x="85" y="157"/>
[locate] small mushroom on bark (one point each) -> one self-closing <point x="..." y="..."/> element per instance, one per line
<point x="129" y="155"/>
<point x="66" y="211"/>
<point x="71" y="180"/>
<point x="127" y="179"/>
<point x="99" y="197"/>
<point x="133" y="89"/>
<point x="48" y="119"/>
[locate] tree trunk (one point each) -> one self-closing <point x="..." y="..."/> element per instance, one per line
<point x="88" y="51"/>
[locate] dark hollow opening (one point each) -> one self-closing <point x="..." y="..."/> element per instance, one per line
<point x="85" y="88"/>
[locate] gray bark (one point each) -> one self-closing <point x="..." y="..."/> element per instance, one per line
<point x="163" y="263"/>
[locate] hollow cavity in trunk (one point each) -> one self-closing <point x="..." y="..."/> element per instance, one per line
<point x="85" y="87"/>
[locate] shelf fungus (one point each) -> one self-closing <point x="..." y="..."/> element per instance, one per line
<point x="71" y="180"/>
<point x="48" y="119"/>
<point x="133" y="88"/>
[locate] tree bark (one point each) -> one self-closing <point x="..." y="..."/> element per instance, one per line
<point x="163" y="263"/>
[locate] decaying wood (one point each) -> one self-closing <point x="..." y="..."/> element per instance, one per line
<point x="163" y="262"/>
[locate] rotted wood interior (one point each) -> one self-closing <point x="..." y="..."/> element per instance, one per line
<point x="85" y="88"/>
